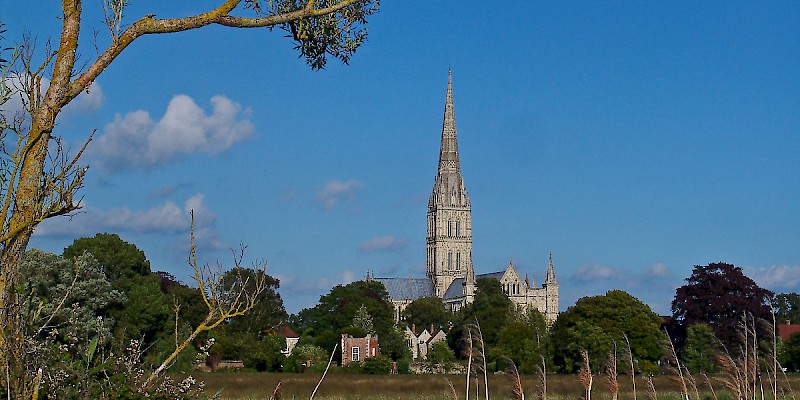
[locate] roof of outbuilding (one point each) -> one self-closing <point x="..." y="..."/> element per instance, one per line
<point x="407" y="288"/>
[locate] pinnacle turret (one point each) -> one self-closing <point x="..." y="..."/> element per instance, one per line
<point x="551" y="273"/>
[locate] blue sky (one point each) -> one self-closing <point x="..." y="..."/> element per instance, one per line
<point x="630" y="140"/>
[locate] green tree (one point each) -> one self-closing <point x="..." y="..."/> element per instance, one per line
<point x="146" y="309"/>
<point x="721" y="296"/>
<point x="426" y="312"/>
<point x="336" y="310"/>
<point x="791" y="352"/>
<point x="787" y="307"/>
<point x="41" y="180"/>
<point x="119" y="258"/>
<point x="595" y="323"/>
<point x="525" y="340"/>
<point x="77" y="307"/>
<point x="441" y="353"/>
<point x="491" y="309"/>
<point x="268" y="313"/>
<point x="363" y="320"/>
<point x="699" y="349"/>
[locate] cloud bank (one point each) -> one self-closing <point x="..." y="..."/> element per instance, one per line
<point x="166" y="217"/>
<point x="136" y="141"/>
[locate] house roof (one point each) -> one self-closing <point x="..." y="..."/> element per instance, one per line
<point x="455" y="290"/>
<point x="407" y="288"/>
<point x="285" y="330"/>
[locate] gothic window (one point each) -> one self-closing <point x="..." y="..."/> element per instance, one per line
<point x="458" y="261"/>
<point x="449" y="260"/>
<point x="458" y="228"/>
<point x="449" y="228"/>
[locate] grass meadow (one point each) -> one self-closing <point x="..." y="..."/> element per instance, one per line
<point x="245" y="385"/>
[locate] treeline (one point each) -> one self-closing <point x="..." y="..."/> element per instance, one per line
<point x="712" y="312"/>
<point x="101" y="294"/>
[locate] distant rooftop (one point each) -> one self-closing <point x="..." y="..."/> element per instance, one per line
<point x="407" y="288"/>
<point x="494" y="275"/>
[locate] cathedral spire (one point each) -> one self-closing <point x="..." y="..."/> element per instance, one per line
<point x="551" y="273"/>
<point x="448" y="155"/>
<point x="449" y="187"/>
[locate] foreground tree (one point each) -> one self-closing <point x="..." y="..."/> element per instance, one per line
<point x="721" y="296"/>
<point x="39" y="180"/>
<point x="595" y="323"/>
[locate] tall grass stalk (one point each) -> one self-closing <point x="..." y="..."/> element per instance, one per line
<point x="483" y="358"/>
<point x="585" y="375"/>
<point x="650" y="388"/>
<point x="630" y="364"/>
<point x="611" y="373"/>
<point x="452" y="392"/>
<point x="542" y="374"/>
<point x="330" y="361"/>
<point x="676" y="371"/>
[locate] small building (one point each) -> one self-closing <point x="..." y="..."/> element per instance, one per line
<point x="356" y="350"/>
<point x="291" y="339"/>
<point x="420" y="344"/>
<point x="787" y="330"/>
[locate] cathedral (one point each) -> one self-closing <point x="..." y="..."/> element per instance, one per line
<point x="449" y="271"/>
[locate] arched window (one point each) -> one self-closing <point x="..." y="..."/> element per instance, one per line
<point x="458" y="261"/>
<point x="458" y="228"/>
<point x="449" y="260"/>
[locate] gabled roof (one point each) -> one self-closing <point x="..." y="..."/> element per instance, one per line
<point x="407" y="288"/>
<point x="456" y="290"/>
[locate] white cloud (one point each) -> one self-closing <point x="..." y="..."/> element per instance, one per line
<point x="137" y="141"/>
<point x="594" y="272"/>
<point x="659" y="269"/>
<point x="166" y="217"/>
<point x="775" y="277"/>
<point x="335" y="191"/>
<point x="383" y="243"/>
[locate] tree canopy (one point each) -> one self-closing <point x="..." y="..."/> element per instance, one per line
<point x="425" y="312"/>
<point x="595" y="323"/>
<point x="119" y="258"/>
<point x="720" y="295"/>
<point x="787" y="307"/>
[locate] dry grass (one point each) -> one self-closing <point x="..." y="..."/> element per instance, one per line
<point x="414" y="387"/>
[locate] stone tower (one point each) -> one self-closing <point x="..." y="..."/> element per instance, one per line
<point x="449" y="239"/>
<point x="551" y="293"/>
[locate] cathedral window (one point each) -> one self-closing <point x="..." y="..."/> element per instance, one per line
<point x="449" y="228"/>
<point x="458" y="228"/>
<point x="449" y="260"/>
<point x="458" y="261"/>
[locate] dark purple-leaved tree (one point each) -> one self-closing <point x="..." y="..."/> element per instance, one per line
<point x="721" y="296"/>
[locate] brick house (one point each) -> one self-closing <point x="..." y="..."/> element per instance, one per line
<point x="358" y="349"/>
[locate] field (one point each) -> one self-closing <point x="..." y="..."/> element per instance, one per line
<point x="426" y="387"/>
